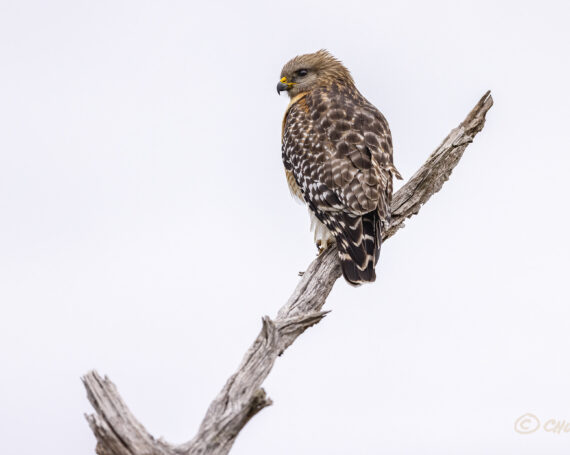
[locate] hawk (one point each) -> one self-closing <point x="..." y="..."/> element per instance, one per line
<point x="337" y="152"/>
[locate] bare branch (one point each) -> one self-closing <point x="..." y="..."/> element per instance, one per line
<point x="119" y="433"/>
<point x="116" y="429"/>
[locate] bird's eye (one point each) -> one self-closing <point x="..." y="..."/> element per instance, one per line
<point x="302" y="73"/>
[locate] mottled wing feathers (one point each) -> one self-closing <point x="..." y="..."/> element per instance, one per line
<point x="337" y="146"/>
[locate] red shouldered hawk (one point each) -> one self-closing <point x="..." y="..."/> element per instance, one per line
<point x="337" y="152"/>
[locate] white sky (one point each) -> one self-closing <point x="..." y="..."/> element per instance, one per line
<point x="146" y="226"/>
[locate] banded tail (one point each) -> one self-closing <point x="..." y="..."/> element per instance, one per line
<point x="358" y="244"/>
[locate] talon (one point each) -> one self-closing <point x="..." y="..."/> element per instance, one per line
<point x="320" y="247"/>
<point x="323" y="247"/>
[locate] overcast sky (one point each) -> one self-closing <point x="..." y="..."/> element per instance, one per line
<point x="146" y="225"/>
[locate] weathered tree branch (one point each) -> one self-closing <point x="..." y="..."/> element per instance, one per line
<point x="117" y="430"/>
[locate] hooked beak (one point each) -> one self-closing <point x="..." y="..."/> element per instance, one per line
<point x="283" y="85"/>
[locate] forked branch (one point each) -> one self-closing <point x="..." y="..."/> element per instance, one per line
<point x="118" y="432"/>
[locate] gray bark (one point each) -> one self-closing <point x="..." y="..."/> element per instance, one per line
<point x="118" y="432"/>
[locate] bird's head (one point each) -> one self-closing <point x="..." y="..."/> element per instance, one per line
<point x="306" y="72"/>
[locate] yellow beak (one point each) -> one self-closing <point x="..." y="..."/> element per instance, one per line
<point x="284" y="85"/>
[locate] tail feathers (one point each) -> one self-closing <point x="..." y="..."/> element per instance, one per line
<point x="358" y="245"/>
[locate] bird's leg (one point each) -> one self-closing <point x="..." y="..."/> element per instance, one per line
<point x="323" y="237"/>
<point x="320" y="249"/>
<point x="322" y="246"/>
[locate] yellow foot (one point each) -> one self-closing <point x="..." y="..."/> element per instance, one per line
<point x="323" y="246"/>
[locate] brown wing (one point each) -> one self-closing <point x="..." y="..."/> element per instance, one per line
<point x="337" y="146"/>
<point x="339" y="149"/>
